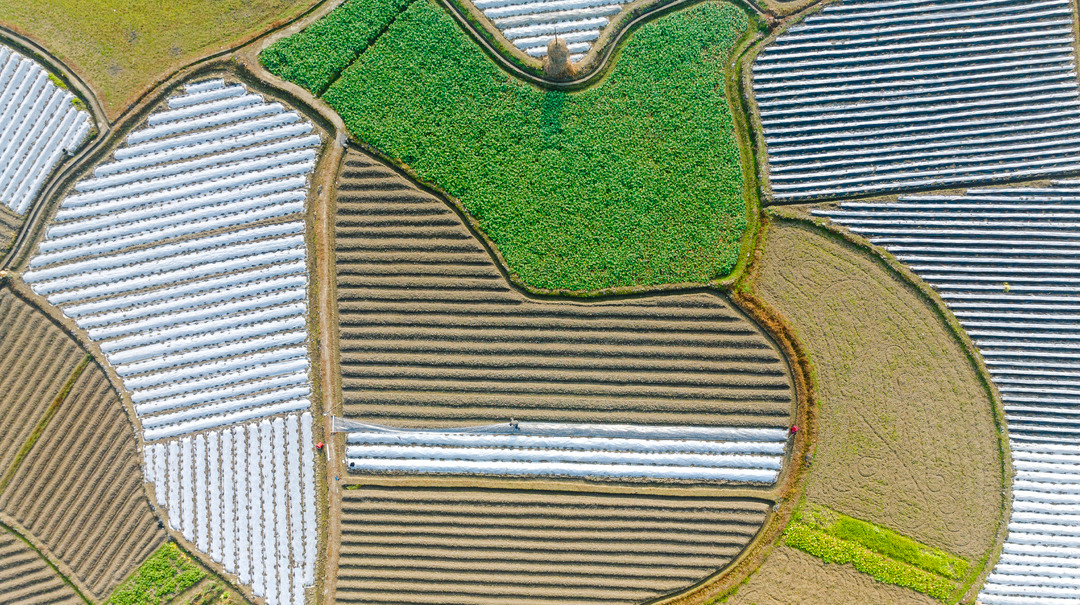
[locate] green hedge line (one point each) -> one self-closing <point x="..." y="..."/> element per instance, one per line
<point x="316" y="56"/>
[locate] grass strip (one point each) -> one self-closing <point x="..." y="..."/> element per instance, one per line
<point x="163" y="576"/>
<point x="316" y="56"/>
<point x="885" y="541"/>
<point x="832" y="549"/>
<point x="635" y="181"/>
<point x="39" y="428"/>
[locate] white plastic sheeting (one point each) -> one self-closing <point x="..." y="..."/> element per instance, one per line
<point x="531" y="24"/>
<point x="244" y="502"/>
<point x="184" y="259"/>
<point x="38" y="122"/>
<point x="1007" y="263"/>
<point x="738" y="455"/>
<point x="871" y="96"/>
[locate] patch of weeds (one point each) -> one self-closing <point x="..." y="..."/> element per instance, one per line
<point x="58" y="82"/>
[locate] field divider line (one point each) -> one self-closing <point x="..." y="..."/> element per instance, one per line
<point x="5" y="526"/>
<point x="39" y="428"/>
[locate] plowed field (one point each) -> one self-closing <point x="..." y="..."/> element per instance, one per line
<point x="79" y="490"/>
<point x="432" y="334"/>
<point x="36" y="358"/>
<point x="496" y="546"/>
<point x="26" y="579"/>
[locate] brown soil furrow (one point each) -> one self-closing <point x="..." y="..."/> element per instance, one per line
<point x="692" y="522"/>
<point x="413" y="281"/>
<point x="356" y="349"/>
<point x="537" y="362"/>
<point x="451" y="545"/>
<point x="80" y="488"/>
<point x="385" y="566"/>
<point x="510" y="591"/>
<point x="26" y="579"/>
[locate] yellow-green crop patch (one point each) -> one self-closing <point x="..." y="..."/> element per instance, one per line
<point x="880" y="552"/>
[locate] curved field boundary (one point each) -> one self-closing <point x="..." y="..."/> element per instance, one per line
<point x="503" y="545"/>
<point x="1015" y="292"/>
<point x="24" y="231"/>
<point x="981" y="570"/>
<point x="211" y="69"/>
<point x="46" y="498"/>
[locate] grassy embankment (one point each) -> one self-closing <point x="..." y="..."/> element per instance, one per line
<point x="633" y="182"/>
<point x="121" y="48"/>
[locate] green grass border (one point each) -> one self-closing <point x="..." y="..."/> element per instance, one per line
<point x="66" y="580"/>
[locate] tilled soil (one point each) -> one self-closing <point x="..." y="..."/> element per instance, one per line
<point x="907" y="437"/>
<point x="79" y="490"/>
<point x="36" y="358"/>
<point x="496" y="546"/>
<point x="791" y="576"/>
<point x="26" y="579"/>
<point x="432" y="334"/>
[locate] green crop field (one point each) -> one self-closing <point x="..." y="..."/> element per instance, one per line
<point x="635" y="181"/>
<point x="315" y="57"/>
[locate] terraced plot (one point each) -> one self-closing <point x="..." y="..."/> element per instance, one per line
<point x="1006" y="262"/>
<point x="80" y="489"/>
<point x="432" y="336"/>
<point x="494" y="546"/>
<point x="26" y="579"/>
<point x="866" y="97"/>
<point x="39" y="123"/>
<point x="183" y="257"/>
<point x="36" y="360"/>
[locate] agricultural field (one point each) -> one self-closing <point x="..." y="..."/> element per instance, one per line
<point x="493" y="546"/>
<point x="364" y="301"/>
<point x="71" y="479"/>
<point x="680" y="389"/>
<point x="578" y="191"/>
<point x="1004" y="262"/>
<point x="877" y="97"/>
<point x="432" y="335"/>
<point x="908" y="440"/>
<point x="123" y="48"/>
<point x="25" y="577"/>
<point x="183" y="259"/>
